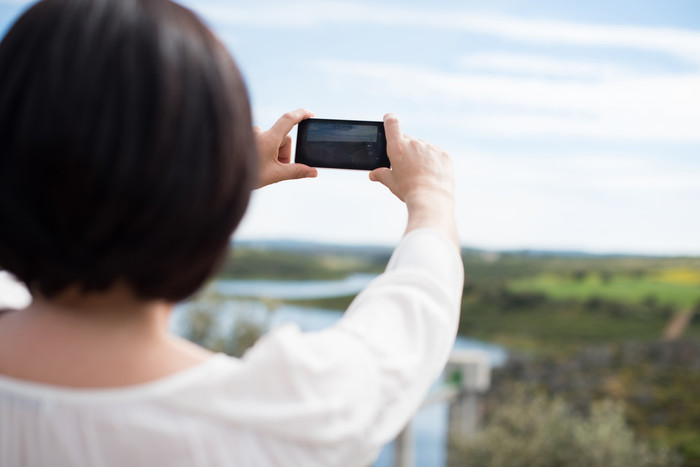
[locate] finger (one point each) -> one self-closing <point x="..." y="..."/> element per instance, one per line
<point x="257" y="129"/>
<point x="392" y="127"/>
<point x="287" y="121"/>
<point x="285" y="151"/>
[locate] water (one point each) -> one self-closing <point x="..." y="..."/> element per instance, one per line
<point x="294" y="290"/>
<point x="429" y="425"/>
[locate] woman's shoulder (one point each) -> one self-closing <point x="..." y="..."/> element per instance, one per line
<point x="189" y="381"/>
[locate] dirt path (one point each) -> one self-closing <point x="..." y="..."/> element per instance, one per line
<point x="677" y="325"/>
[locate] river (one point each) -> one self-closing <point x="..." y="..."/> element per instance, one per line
<point x="251" y="298"/>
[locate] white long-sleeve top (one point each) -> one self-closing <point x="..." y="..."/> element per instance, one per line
<point x="327" y="398"/>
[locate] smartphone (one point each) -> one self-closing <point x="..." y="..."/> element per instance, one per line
<point x="341" y="144"/>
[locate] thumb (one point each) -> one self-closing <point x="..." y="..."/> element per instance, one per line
<point x="296" y="171"/>
<point x="382" y="175"/>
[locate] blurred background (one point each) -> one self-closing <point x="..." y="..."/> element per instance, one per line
<point x="575" y="133"/>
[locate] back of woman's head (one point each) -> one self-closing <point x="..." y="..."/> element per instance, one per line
<point x="126" y="150"/>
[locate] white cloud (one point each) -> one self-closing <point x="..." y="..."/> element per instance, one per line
<point x="627" y="107"/>
<point x="504" y="93"/>
<point x="605" y="175"/>
<point x="296" y="15"/>
<point x="596" y="202"/>
<point x="540" y="65"/>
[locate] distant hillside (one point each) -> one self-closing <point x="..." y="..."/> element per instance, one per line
<point x="302" y="246"/>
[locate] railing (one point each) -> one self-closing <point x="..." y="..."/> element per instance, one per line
<point x="467" y="376"/>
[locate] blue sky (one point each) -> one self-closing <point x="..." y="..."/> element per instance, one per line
<point x="572" y="125"/>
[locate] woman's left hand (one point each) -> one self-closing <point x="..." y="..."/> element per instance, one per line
<point x="275" y="151"/>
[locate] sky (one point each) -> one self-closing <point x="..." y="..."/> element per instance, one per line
<point x="572" y="125"/>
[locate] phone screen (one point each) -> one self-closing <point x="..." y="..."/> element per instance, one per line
<point x="341" y="144"/>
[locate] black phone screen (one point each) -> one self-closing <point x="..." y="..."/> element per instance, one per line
<point x="341" y="144"/>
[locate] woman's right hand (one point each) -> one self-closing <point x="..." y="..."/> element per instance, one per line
<point x="275" y="151"/>
<point x="422" y="176"/>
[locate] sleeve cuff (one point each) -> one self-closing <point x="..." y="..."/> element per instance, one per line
<point x="430" y="250"/>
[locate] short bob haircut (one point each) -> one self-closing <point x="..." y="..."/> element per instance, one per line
<point x="126" y="148"/>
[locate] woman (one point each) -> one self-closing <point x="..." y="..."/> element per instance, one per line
<point x="126" y="161"/>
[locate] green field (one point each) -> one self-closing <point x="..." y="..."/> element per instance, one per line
<point x="679" y="288"/>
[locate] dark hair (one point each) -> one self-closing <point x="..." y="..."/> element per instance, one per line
<point x="126" y="148"/>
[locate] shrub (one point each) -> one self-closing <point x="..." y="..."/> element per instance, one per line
<point x="537" y="431"/>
